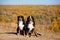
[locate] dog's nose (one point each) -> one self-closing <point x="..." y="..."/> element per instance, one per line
<point x="30" y="19"/>
<point x="20" y="18"/>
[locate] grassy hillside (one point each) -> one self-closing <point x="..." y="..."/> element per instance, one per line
<point x="45" y="16"/>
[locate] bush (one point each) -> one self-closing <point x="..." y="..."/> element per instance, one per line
<point x="55" y="29"/>
<point x="55" y="26"/>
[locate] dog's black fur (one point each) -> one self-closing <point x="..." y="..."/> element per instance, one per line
<point x="25" y="30"/>
<point x="18" y="29"/>
<point x="27" y="23"/>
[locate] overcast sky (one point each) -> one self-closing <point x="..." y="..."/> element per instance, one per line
<point x="31" y="2"/>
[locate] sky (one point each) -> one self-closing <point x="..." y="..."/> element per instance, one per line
<point x="29" y="2"/>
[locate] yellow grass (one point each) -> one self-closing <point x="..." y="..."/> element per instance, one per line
<point x="9" y="13"/>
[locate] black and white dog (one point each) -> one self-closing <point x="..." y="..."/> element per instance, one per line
<point x="21" y="24"/>
<point x="30" y="25"/>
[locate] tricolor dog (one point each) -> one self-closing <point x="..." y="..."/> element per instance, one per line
<point x="21" y="24"/>
<point x="30" y="25"/>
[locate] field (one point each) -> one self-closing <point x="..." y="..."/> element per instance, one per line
<point x="47" y="19"/>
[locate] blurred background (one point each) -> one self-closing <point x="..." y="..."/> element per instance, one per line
<point x="46" y="14"/>
<point x="47" y="17"/>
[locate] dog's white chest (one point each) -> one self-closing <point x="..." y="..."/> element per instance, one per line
<point x="21" y="25"/>
<point x="30" y="26"/>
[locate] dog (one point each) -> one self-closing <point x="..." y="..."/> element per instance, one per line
<point x="21" y="24"/>
<point x="30" y="25"/>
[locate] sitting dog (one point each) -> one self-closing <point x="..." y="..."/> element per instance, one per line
<point x="21" y="24"/>
<point x="30" y="25"/>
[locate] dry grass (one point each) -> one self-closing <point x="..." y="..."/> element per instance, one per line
<point x="49" y="31"/>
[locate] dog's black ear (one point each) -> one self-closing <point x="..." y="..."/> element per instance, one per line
<point x="28" y="18"/>
<point x="23" y="19"/>
<point x="18" y="18"/>
<point x="33" y="21"/>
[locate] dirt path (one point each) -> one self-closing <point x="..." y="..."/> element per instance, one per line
<point x="11" y="34"/>
<point x="20" y="37"/>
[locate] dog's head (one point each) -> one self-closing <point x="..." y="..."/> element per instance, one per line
<point x="21" y="18"/>
<point x="30" y="19"/>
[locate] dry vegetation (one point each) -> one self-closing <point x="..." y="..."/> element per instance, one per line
<point x="47" y="18"/>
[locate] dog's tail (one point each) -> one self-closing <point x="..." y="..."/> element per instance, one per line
<point x="37" y="34"/>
